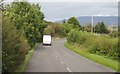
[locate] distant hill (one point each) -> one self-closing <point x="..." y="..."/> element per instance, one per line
<point x="108" y="20"/>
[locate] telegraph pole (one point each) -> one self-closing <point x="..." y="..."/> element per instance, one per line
<point x="92" y="24"/>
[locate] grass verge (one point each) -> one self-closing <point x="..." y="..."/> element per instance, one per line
<point x="27" y="58"/>
<point x="113" y="64"/>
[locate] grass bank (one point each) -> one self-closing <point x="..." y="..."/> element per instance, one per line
<point x="113" y="64"/>
<point x="27" y="58"/>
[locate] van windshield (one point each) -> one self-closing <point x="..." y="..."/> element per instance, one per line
<point x="46" y="37"/>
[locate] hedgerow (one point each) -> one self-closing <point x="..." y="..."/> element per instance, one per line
<point x="14" y="47"/>
<point x="97" y="44"/>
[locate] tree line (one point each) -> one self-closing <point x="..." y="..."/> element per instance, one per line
<point x="23" y="25"/>
<point x="73" y="23"/>
<point x="101" y="44"/>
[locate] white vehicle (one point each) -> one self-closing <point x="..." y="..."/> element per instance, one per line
<point x="47" y="39"/>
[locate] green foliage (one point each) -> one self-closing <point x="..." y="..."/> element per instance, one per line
<point x="104" y="45"/>
<point x="28" y="19"/>
<point x="23" y="27"/>
<point x="14" y="46"/>
<point x="94" y="57"/>
<point x="114" y="34"/>
<point x="73" y="36"/>
<point x="49" y="30"/>
<point x="75" y="22"/>
<point x="101" y="28"/>
<point x="55" y="30"/>
<point x="67" y="27"/>
<point x="87" y="27"/>
<point x="64" y="21"/>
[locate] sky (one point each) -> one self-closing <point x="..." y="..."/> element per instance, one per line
<point x="67" y="0"/>
<point x="63" y="9"/>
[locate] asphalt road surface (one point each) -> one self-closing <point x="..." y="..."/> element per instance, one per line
<point x="58" y="58"/>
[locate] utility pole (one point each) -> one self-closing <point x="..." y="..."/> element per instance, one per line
<point x="92" y="24"/>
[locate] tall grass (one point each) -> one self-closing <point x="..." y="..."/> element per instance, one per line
<point x="113" y="64"/>
<point x="97" y="44"/>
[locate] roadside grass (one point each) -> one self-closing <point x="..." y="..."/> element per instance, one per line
<point x="57" y="38"/>
<point x="27" y="58"/>
<point x="113" y="64"/>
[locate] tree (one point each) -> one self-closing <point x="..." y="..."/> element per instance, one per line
<point x="75" y="22"/>
<point x="28" y="19"/>
<point x="87" y="27"/>
<point x="49" y="30"/>
<point x="101" y="28"/>
<point x="64" y="21"/>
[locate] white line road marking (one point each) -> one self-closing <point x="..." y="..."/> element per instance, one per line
<point x="68" y="69"/>
<point x="61" y="62"/>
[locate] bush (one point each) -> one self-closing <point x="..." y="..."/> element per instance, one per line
<point x="106" y="46"/>
<point x="67" y="27"/>
<point x="114" y="34"/>
<point x="49" y="30"/>
<point x="14" y="47"/>
<point x="55" y="29"/>
<point x="101" y="44"/>
<point x="73" y="36"/>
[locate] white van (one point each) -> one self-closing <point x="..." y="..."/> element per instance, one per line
<point x="47" y="39"/>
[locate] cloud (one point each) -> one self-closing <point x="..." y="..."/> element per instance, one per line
<point x="74" y="0"/>
<point x="55" y="10"/>
<point x="61" y="9"/>
<point x="64" y="0"/>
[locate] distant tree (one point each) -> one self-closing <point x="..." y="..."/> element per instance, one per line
<point x="64" y="21"/>
<point x="68" y="27"/>
<point x="101" y="28"/>
<point x="75" y="22"/>
<point x="87" y="27"/>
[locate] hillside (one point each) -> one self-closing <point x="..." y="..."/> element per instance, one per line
<point x="108" y="20"/>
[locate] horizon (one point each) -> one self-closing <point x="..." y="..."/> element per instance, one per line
<point x="66" y="10"/>
<point x="108" y="20"/>
<point x="55" y="11"/>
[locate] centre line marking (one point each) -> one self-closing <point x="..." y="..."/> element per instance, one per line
<point x="61" y="62"/>
<point x="68" y="69"/>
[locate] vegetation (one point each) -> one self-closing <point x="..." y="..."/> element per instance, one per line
<point x="87" y="27"/>
<point x="114" y="34"/>
<point x="75" y="22"/>
<point x="28" y="19"/>
<point x="55" y="29"/>
<point x="94" y="57"/>
<point x="22" y="28"/>
<point x="14" y="46"/>
<point x="101" y="28"/>
<point x="22" y="67"/>
<point x="102" y="45"/>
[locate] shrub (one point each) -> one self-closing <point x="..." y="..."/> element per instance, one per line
<point x="14" y="47"/>
<point x="73" y="35"/>
<point x="114" y="34"/>
<point x="49" y="30"/>
<point x="67" y="27"/>
<point x="55" y="29"/>
<point x="106" y="46"/>
<point x="102" y="44"/>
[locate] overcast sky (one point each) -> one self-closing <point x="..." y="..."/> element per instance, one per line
<point x="67" y="0"/>
<point x="61" y="9"/>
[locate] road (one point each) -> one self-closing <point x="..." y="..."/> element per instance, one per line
<point x="58" y="58"/>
